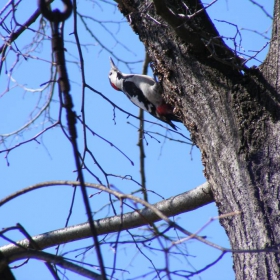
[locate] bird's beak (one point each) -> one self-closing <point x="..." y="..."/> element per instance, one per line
<point x="113" y="64"/>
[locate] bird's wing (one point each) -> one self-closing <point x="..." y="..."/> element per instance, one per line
<point x="138" y="98"/>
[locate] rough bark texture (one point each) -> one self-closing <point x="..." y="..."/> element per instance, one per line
<point x="233" y="117"/>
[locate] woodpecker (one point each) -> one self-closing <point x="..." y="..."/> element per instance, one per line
<point x="144" y="92"/>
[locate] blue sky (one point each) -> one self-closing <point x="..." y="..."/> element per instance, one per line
<point x="171" y="167"/>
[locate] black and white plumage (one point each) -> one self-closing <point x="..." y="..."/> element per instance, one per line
<point x="144" y="92"/>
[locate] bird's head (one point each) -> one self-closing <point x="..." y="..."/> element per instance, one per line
<point x="115" y="76"/>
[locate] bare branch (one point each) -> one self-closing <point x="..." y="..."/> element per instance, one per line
<point x="184" y="202"/>
<point x="262" y="8"/>
<point x="56" y="17"/>
<point x="141" y="137"/>
<point x="14" y="35"/>
<point x="208" y="223"/>
<point x="50" y="258"/>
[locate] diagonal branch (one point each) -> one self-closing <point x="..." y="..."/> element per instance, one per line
<point x="184" y="202"/>
<point x="60" y="261"/>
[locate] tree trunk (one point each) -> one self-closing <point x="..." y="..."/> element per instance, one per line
<point x="233" y="115"/>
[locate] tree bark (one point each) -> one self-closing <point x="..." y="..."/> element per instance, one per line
<point x="232" y="113"/>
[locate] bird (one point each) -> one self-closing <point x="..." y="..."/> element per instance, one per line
<point x="144" y="92"/>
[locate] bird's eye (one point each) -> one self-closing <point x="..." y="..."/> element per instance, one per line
<point x="110" y="73"/>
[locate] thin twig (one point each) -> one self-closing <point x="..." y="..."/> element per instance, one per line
<point x="262" y="8"/>
<point x="142" y="136"/>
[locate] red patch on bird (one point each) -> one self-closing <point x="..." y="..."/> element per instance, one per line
<point x="113" y="86"/>
<point x="165" y="109"/>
